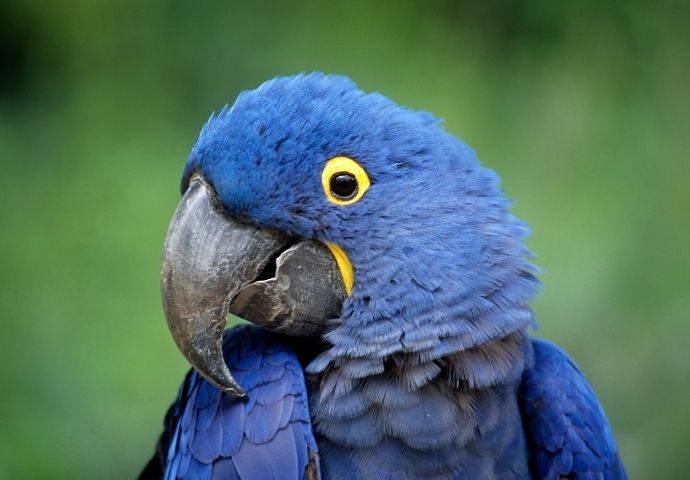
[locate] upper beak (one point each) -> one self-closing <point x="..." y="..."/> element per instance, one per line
<point x="210" y="267"/>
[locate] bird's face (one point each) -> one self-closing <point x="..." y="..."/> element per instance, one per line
<point x="350" y="192"/>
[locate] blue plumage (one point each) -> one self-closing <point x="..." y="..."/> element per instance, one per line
<point x="214" y="436"/>
<point x="428" y="372"/>
<point x="566" y="427"/>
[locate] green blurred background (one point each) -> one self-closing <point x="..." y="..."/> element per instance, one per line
<point x="582" y="107"/>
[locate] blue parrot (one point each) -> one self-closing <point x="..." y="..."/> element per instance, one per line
<point x="388" y="289"/>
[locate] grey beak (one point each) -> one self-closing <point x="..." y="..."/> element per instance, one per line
<point x="210" y="260"/>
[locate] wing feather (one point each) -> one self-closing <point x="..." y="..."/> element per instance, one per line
<point x="567" y="431"/>
<point x="209" y="435"/>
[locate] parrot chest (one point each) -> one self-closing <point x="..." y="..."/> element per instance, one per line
<point x="435" y="432"/>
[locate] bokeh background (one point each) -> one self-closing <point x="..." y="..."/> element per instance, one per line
<point x="582" y="107"/>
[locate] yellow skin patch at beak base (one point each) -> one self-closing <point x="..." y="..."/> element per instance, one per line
<point x="344" y="266"/>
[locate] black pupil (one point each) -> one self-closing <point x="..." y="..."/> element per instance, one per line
<point x="343" y="185"/>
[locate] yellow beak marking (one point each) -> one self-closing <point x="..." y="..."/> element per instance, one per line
<point x="344" y="266"/>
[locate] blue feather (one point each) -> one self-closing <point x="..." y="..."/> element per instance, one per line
<point x="262" y="422"/>
<point x="207" y="443"/>
<point x="267" y="436"/>
<point x="224" y="469"/>
<point x="567" y="430"/>
<point x="234" y="417"/>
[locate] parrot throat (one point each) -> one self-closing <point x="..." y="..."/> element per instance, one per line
<point x="423" y="419"/>
<point x="416" y="388"/>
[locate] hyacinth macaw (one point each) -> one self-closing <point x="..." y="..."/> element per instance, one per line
<point x="388" y="287"/>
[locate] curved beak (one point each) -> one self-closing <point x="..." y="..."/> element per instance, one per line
<point x="213" y="265"/>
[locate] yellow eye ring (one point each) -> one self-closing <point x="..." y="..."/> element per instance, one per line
<point x="344" y="181"/>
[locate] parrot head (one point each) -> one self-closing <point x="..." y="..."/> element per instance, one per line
<point x="312" y="208"/>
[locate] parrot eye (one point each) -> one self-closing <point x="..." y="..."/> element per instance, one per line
<point x="343" y="185"/>
<point x="344" y="181"/>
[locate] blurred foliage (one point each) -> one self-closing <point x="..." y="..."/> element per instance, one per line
<point x="582" y="107"/>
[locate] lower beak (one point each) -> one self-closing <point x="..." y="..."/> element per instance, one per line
<point x="210" y="266"/>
